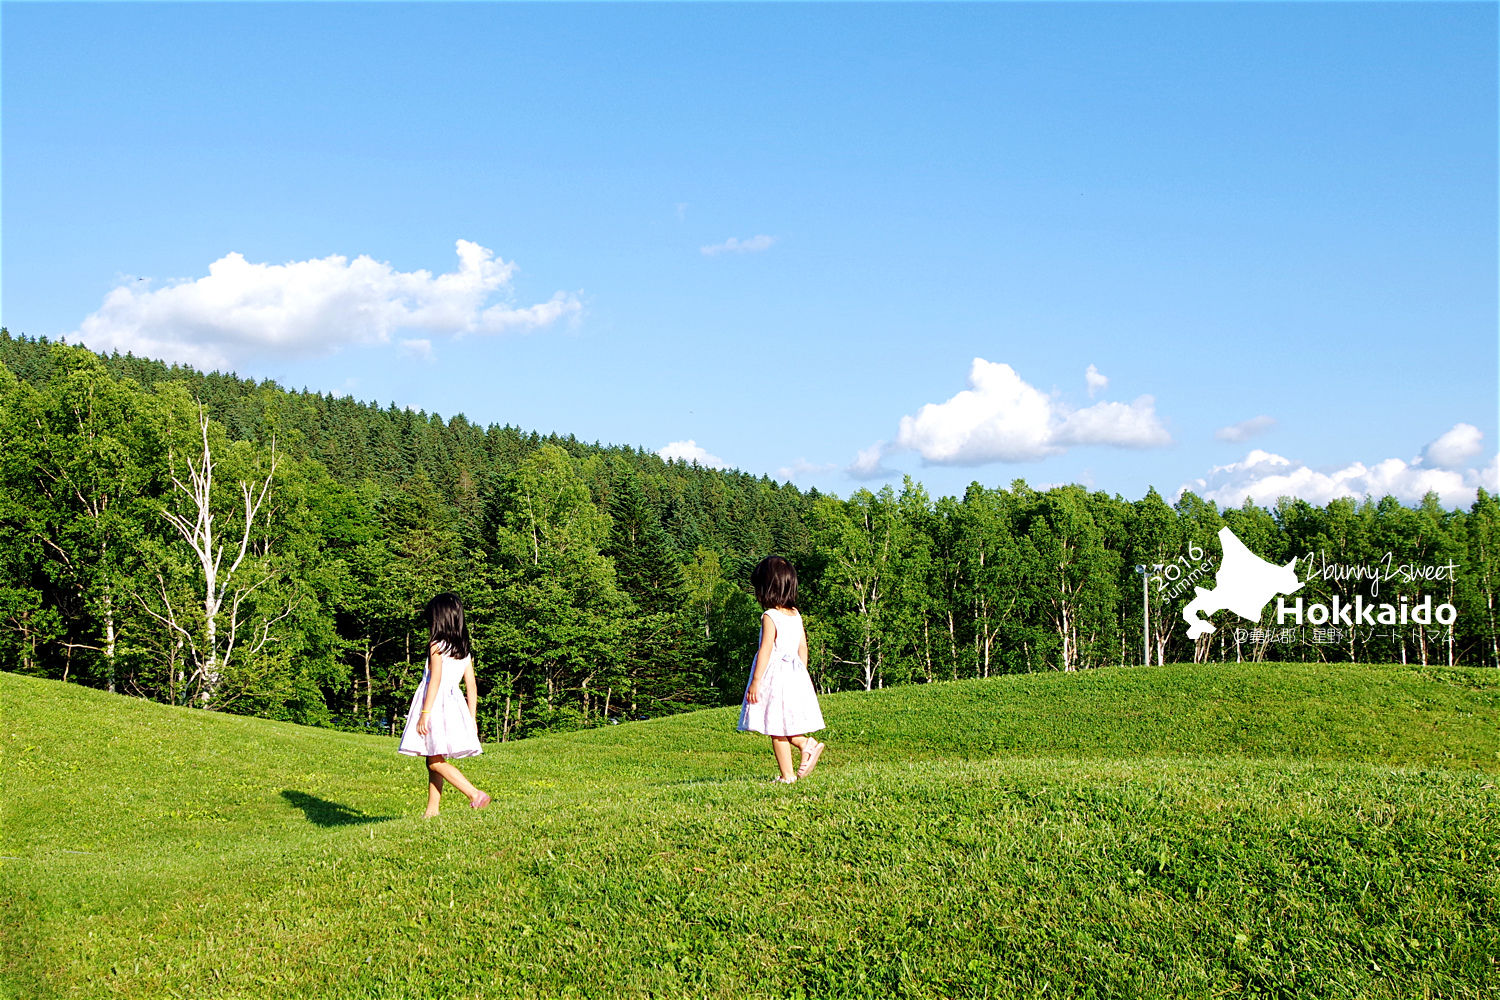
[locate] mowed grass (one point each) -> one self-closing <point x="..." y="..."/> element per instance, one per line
<point x="1251" y="830"/>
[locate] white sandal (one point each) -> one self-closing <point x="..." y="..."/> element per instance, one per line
<point x="779" y="780"/>
<point x="810" y="759"/>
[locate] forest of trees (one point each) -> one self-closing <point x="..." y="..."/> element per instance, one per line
<point x="207" y="540"/>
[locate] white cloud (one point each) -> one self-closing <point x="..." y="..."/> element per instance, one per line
<point x="869" y="463"/>
<point x="241" y="310"/>
<point x="509" y="319"/>
<point x="999" y="417"/>
<point x="1097" y="382"/>
<point x="734" y="244"/>
<point x="1453" y="449"/>
<point x="1002" y="418"/>
<point x="418" y="348"/>
<point x="1245" y="429"/>
<point x="802" y="467"/>
<point x="1264" y="477"/>
<point x="689" y="451"/>
<point x="1120" y="425"/>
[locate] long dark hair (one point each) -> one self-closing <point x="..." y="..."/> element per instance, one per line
<point x="775" y="583"/>
<point x="445" y="625"/>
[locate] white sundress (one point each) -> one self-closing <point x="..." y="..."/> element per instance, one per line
<point x="789" y="705"/>
<point x="450" y="727"/>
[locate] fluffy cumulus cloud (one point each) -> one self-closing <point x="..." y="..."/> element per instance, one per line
<point x="1454" y="449"/>
<point x="242" y="310"/>
<point x="1245" y="429"/>
<point x="755" y="244"/>
<point x="1002" y="418"/>
<point x="690" y="451"/>
<point x="870" y="463"/>
<point x="1263" y="477"/>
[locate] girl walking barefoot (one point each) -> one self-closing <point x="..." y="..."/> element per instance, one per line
<point x="441" y="722"/>
<point x="779" y="699"/>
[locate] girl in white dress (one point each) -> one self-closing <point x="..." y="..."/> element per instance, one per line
<point x="441" y="722"/>
<point x="779" y="698"/>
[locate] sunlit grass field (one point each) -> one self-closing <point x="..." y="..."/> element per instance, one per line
<point x="1268" y="830"/>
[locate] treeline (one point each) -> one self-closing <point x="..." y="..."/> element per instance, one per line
<point x="208" y="540"/>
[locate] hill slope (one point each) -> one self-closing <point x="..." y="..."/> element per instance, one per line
<point x="1252" y="829"/>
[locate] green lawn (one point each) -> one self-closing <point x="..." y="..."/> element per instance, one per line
<point x="1252" y="830"/>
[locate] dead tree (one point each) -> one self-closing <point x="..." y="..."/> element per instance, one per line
<point x="229" y="629"/>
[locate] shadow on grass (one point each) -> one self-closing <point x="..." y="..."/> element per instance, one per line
<point x="325" y="813"/>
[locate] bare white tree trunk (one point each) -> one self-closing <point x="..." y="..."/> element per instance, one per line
<point x="1489" y="605"/>
<point x="927" y="648"/>
<point x="1065" y="629"/>
<point x="224" y="588"/>
<point x="108" y="609"/>
<point x="953" y="642"/>
<point x="369" y="688"/>
<point x="1450" y="627"/>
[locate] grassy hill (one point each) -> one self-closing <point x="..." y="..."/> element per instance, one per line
<point x="1252" y="830"/>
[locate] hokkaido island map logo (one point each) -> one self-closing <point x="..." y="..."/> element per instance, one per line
<point x="1245" y="584"/>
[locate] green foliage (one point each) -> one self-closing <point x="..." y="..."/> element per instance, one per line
<point x="558" y="611"/>
<point x="85" y="454"/>
<point x="603" y="583"/>
<point x="646" y="564"/>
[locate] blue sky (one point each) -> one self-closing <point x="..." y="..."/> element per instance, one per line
<point x="836" y="242"/>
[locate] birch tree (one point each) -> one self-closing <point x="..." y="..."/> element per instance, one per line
<point x="1154" y="541"/>
<point x="1257" y="529"/>
<point x="559" y="622"/>
<point x="703" y="575"/>
<point x="1199" y="522"/>
<point x="86" y="446"/>
<point x="989" y="572"/>
<point x="1074" y="571"/>
<point x="859" y="539"/>
<point x="1482" y="530"/>
<point x="947" y="579"/>
<point x="226" y="625"/>
<point x="918" y="590"/>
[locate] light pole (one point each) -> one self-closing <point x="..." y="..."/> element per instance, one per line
<point x="1145" y="572"/>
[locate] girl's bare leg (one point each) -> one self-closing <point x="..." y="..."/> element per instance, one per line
<point x="440" y="769"/>
<point x="434" y="791"/>
<point x="782" y="747"/>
